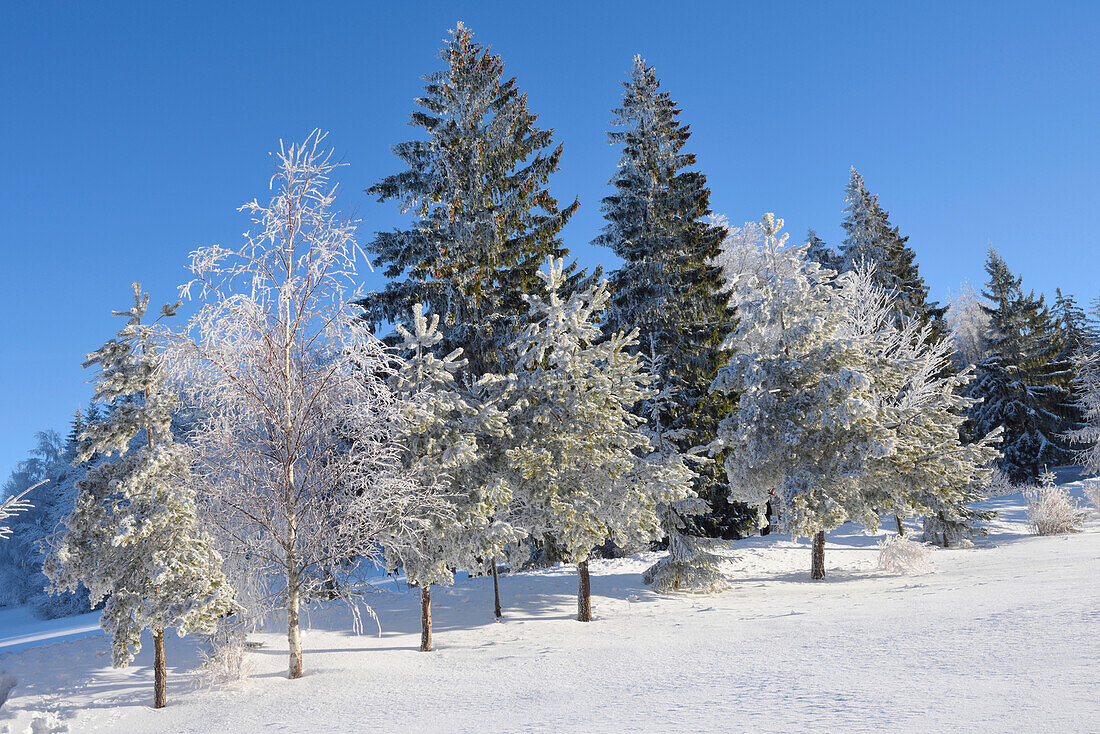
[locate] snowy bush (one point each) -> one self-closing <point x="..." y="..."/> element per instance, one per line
<point x="225" y="662"/>
<point x="1051" y="511"/>
<point x="899" y="554"/>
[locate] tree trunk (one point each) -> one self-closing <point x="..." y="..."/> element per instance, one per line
<point x="496" y="590"/>
<point x="943" y="521"/>
<point x="160" y="671"/>
<point x="425" y="618"/>
<point x="901" y="528"/>
<point x="293" y="633"/>
<point x="584" y="593"/>
<point x="767" y="529"/>
<point x="817" y="568"/>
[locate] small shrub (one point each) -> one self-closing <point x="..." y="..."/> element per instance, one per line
<point x="226" y="662"/>
<point x="1051" y="511"/>
<point x="899" y="554"/>
<point x="1092" y="493"/>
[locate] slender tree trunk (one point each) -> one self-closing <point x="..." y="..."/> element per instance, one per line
<point x="767" y="529"/>
<point x="496" y="590"/>
<point x="425" y="618"/>
<point x="293" y="632"/>
<point x="584" y="593"/>
<point x="817" y="567"/>
<point x="943" y="521"/>
<point x="160" y="671"/>
<point x="901" y="528"/>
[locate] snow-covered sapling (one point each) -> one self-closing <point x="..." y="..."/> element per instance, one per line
<point x="582" y="461"/>
<point x="1087" y="382"/>
<point x="133" y="538"/>
<point x="446" y="429"/>
<point x="690" y="565"/>
<point x="900" y="554"/>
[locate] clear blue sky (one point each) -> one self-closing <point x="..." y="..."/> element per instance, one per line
<point x="131" y="132"/>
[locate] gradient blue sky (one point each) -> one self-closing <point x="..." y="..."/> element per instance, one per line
<point x="131" y="132"/>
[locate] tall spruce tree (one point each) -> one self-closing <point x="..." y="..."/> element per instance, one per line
<point x="1022" y="384"/>
<point x="485" y="220"/>
<point x="668" y="286"/>
<point x="872" y="239"/>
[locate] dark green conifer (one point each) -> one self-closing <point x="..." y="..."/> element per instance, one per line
<point x="658" y="222"/>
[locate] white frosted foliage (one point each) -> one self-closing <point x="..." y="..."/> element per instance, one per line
<point x="583" y="462"/>
<point x="133" y="538"/>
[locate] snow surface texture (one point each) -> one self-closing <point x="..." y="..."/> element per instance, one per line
<point x="1000" y="637"/>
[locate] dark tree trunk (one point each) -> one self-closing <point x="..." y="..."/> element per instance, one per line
<point x="425" y="619"/>
<point x="817" y="568"/>
<point x="901" y="528"/>
<point x="943" y="521"/>
<point x="584" y="593"/>
<point x="496" y="590"/>
<point x="767" y="529"/>
<point x="160" y="671"/>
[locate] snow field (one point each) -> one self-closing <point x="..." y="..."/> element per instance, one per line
<point x="999" y="637"/>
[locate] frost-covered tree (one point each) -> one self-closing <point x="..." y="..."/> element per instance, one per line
<point x="133" y="538"/>
<point x="477" y="185"/>
<point x="668" y="287"/>
<point x="819" y="252"/>
<point x="871" y="239"/>
<point x="21" y="557"/>
<point x="927" y="470"/>
<point x="1021" y="384"/>
<point x="968" y="324"/>
<point x="448" y="431"/>
<point x="806" y="422"/>
<point x="584" y="469"/>
<point x="295" y="425"/>
<point x="1087" y="382"/>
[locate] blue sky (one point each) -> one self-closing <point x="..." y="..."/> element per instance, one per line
<point x="131" y="132"/>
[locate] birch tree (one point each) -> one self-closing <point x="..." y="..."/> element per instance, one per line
<point x="296" y="425"/>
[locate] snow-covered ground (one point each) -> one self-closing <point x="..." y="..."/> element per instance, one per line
<point x="1001" y="637"/>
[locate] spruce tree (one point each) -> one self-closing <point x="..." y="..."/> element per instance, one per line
<point x="583" y="466"/>
<point x="477" y="185"/>
<point x="872" y="239"/>
<point x="1087" y="383"/>
<point x="1021" y="384"/>
<point x="133" y="538"/>
<point x="668" y="286"/>
<point x="691" y="565"/>
<point x="819" y="252"/>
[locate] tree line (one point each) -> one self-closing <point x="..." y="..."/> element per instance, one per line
<point x="273" y="451"/>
